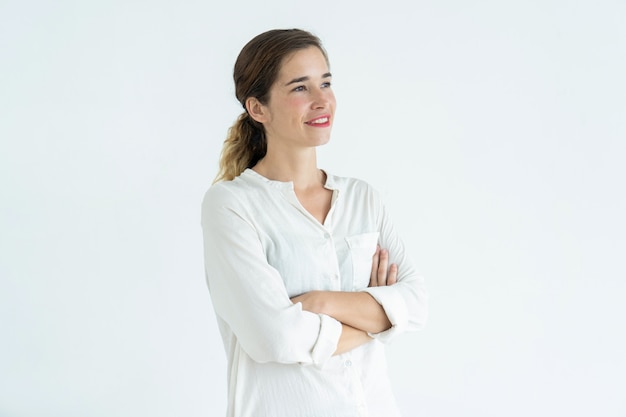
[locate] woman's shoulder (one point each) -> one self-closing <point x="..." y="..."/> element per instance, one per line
<point x="249" y="188"/>
<point x="226" y="192"/>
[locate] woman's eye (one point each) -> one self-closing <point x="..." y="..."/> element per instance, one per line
<point x="300" y="88"/>
<point x="326" y="84"/>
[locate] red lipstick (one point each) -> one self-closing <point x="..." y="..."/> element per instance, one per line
<point x="322" y="121"/>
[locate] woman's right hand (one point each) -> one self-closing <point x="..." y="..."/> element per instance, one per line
<point x="382" y="273"/>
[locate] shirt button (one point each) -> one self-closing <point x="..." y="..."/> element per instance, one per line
<point x="326" y="235"/>
<point x="348" y="363"/>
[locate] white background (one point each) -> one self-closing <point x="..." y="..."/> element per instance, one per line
<point x="495" y="130"/>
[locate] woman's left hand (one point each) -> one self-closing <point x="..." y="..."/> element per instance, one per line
<point x="382" y="274"/>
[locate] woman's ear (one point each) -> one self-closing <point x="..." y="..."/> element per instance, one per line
<point x="256" y="110"/>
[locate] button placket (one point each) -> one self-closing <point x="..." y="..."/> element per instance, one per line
<point x="357" y="386"/>
<point x="336" y="276"/>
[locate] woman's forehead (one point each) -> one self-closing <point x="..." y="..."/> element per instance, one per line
<point x="309" y="62"/>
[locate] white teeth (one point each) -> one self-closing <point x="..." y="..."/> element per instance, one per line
<point x="319" y="121"/>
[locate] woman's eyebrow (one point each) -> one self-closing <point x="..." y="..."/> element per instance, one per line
<point x="306" y="78"/>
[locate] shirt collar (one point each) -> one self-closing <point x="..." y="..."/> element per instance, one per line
<point x="331" y="182"/>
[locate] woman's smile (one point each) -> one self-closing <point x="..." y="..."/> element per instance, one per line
<point x="323" y="121"/>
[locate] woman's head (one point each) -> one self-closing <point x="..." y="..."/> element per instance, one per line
<point x="256" y="69"/>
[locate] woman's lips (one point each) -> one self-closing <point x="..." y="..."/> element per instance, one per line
<point x="322" y="121"/>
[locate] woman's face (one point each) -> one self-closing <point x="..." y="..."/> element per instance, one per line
<point x="301" y="104"/>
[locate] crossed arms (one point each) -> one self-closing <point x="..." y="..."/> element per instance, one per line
<point x="358" y="312"/>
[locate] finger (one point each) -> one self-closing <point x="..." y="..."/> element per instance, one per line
<point x="382" y="268"/>
<point x="374" y="273"/>
<point x="392" y="278"/>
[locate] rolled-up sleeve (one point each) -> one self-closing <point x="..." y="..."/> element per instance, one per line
<point x="249" y="295"/>
<point x="406" y="302"/>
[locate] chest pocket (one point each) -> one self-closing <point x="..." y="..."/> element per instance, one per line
<point x="361" y="248"/>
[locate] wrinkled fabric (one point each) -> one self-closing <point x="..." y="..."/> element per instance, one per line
<point x="261" y="247"/>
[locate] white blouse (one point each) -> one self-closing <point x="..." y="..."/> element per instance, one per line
<point x="261" y="247"/>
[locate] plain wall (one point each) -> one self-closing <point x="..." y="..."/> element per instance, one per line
<point x="495" y="130"/>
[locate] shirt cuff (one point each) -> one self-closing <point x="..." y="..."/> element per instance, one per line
<point x="395" y="307"/>
<point x="327" y="341"/>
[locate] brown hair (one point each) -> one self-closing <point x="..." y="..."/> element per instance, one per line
<point x="256" y="70"/>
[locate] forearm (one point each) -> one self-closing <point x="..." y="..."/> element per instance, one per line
<point x="351" y="338"/>
<point x="356" y="309"/>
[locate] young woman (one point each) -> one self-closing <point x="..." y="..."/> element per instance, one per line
<point x="304" y="297"/>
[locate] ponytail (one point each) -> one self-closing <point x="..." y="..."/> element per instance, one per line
<point x="244" y="146"/>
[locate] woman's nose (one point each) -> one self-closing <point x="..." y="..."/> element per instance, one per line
<point x="321" y="98"/>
